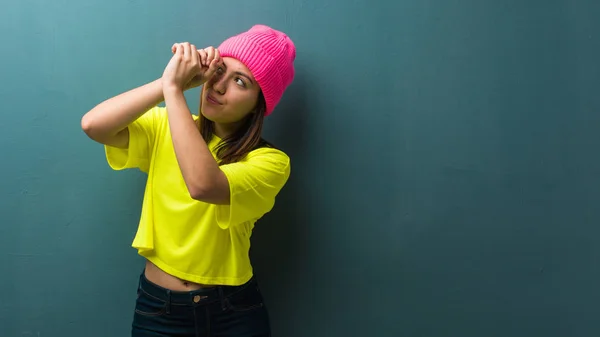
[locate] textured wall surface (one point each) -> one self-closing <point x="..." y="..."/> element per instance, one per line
<point x="445" y="175"/>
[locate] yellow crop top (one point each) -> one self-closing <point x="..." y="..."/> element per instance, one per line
<point x="193" y="240"/>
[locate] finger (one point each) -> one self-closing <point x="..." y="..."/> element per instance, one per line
<point x="174" y="48"/>
<point x="203" y="56"/>
<point x="194" y="54"/>
<point x="186" y="51"/>
<point x="210" y="51"/>
<point x="212" y="68"/>
<point x="217" y="56"/>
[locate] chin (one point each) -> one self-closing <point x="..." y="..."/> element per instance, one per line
<point x="208" y="116"/>
<point x="207" y="110"/>
<point x="211" y="115"/>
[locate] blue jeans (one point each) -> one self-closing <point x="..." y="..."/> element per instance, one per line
<point x="222" y="311"/>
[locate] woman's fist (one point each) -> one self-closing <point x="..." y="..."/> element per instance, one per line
<point x="190" y="67"/>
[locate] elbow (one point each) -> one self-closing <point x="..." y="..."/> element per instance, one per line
<point x="213" y="190"/>
<point x="86" y="125"/>
<point x="91" y="128"/>
<point x="197" y="196"/>
<point x="209" y="194"/>
<point x="198" y="192"/>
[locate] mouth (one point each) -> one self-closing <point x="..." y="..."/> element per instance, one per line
<point x="211" y="99"/>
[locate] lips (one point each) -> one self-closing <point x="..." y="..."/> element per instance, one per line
<point x="212" y="99"/>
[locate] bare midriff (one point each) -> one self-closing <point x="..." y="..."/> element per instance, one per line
<point x="168" y="281"/>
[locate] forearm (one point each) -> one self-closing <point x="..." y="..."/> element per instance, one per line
<point x="113" y="115"/>
<point x="200" y="171"/>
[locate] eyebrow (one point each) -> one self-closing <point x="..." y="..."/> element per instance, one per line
<point x="244" y="75"/>
<point x="240" y="73"/>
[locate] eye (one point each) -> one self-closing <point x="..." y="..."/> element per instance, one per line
<point x="240" y="82"/>
<point x="220" y="70"/>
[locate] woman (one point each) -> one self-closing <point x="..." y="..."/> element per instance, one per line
<point x="210" y="178"/>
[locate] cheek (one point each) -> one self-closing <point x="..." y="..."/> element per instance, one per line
<point x="243" y="104"/>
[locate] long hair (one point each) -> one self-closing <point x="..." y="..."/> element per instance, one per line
<point x="245" y="139"/>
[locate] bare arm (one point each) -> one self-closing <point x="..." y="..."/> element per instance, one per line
<point x="201" y="173"/>
<point x="203" y="177"/>
<point x="107" y="122"/>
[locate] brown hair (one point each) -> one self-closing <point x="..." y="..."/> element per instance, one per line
<point x="246" y="139"/>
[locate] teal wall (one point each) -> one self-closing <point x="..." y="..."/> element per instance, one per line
<point x="446" y="168"/>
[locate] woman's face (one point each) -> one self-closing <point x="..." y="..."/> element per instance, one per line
<point x="231" y="94"/>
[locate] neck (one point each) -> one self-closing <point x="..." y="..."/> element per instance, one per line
<point x="225" y="130"/>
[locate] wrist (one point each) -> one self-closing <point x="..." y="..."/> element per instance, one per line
<point x="171" y="88"/>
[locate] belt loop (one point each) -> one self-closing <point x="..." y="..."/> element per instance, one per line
<point x="223" y="299"/>
<point x="140" y="280"/>
<point x="168" y="301"/>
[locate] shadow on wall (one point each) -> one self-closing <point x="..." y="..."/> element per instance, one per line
<point x="278" y="235"/>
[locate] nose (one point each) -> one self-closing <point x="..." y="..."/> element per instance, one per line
<point x="218" y="84"/>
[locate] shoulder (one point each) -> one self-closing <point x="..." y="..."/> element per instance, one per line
<point x="151" y="120"/>
<point x="269" y="154"/>
<point x="266" y="164"/>
<point x="157" y="112"/>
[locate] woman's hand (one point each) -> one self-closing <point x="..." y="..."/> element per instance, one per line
<point x="207" y="56"/>
<point x="189" y="67"/>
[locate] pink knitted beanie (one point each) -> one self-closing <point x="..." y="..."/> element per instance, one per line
<point x="269" y="54"/>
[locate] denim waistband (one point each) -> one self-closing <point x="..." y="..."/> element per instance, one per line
<point x="195" y="297"/>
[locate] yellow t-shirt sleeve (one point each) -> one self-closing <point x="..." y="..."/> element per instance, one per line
<point x="253" y="184"/>
<point x="142" y="134"/>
